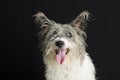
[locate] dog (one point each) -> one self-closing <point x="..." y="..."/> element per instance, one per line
<point x="63" y="48"/>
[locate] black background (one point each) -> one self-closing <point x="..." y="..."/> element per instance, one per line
<point x="19" y="55"/>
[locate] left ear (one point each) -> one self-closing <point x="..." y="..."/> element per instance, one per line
<point x="81" y="20"/>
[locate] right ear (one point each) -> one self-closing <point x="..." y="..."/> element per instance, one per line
<point x="41" y="20"/>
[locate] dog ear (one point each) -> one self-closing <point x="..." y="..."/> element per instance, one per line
<point x="41" y="20"/>
<point x="81" y="20"/>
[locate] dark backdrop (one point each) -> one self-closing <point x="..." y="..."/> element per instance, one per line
<point x="19" y="55"/>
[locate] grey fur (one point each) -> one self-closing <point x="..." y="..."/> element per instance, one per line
<point x="49" y="30"/>
<point x="73" y="34"/>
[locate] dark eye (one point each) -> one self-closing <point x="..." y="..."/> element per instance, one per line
<point x="69" y="34"/>
<point x="54" y="32"/>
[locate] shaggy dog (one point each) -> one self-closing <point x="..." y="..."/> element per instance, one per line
<point x="64" y="48"/>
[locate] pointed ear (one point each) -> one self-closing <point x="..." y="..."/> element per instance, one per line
<point x="41" y="20"/>
<point x="81" y="20"/>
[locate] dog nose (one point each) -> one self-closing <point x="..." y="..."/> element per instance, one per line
<point x="59" y="44"/>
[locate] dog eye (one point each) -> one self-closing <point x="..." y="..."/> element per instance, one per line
<point x="54" y="32"/>
<point x="69" y="34"/>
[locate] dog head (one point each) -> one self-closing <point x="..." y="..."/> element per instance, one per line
<point x="62" y="42"/>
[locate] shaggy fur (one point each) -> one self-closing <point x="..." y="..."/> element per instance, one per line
<point x="63" y="48"/>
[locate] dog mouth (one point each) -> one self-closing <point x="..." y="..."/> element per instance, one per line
<point x="61" y="55"/>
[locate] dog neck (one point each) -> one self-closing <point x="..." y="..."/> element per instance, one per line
<point x="70" y="70"/>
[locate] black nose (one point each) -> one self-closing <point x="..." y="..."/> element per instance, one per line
<point x="59" y="44"/>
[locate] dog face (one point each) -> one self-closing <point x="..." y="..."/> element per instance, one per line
<point x="60" y="42"/>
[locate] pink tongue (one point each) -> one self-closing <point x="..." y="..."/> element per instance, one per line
<point x="60" y="56"/>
